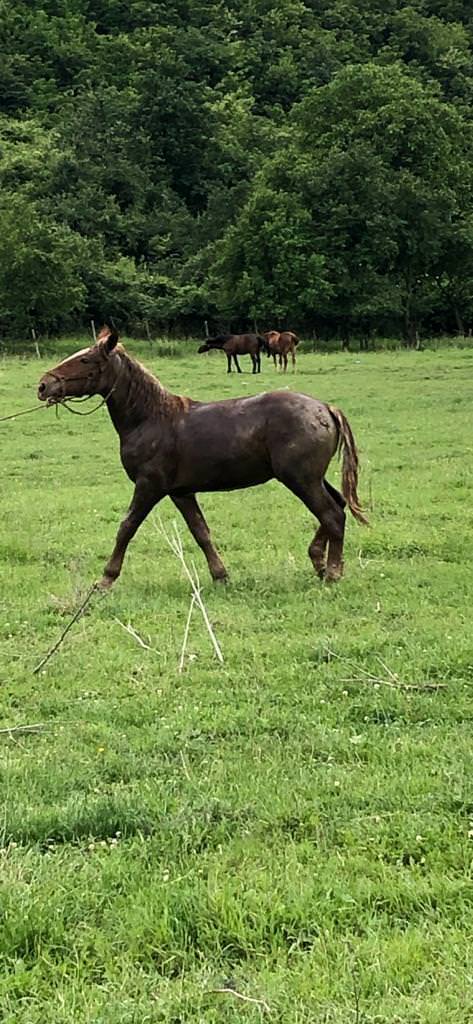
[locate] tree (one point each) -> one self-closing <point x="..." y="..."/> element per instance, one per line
<point x="376" y="168"/>
<point x="41" y="263"/>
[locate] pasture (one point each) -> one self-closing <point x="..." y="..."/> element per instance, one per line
<point x="296" y="824"/>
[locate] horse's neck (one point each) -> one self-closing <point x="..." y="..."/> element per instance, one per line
<point x="133" y="395"/>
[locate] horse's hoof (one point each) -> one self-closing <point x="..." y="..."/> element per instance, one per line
<point x="105" y="583"/>
<point x="321" y="572"/>
<point x="222" y="579"/>
<point x="333" y="575"/>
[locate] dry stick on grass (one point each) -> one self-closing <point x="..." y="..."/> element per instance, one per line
<point x="239" y="995"/>
<point x="184" y="766"/>
<point x="136" y="636"/>
<point x="22" y="730"/>
<point x="393" y="681"/>
<point x="175" y="544"/>
<point x="65" y="631"/>
<point x="186" y="634"/>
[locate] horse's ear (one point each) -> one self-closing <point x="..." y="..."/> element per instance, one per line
<point x="108" y="338"/>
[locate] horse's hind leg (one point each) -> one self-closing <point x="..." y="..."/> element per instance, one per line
<point x="335" y="547"/>
<point x="254" y="361"/>
<point x="229" y="363"/>
<point x="318" y="548"/>
<point x="317" y="552"/>
<point x="235" y="360"/>
<point x="293" y="356"/>
<point x="193" y="515"/>
<point x="284" y="357"/>
<point x="320" y="499"/>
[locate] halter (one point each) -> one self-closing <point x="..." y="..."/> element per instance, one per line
<point x="66" y="402"/>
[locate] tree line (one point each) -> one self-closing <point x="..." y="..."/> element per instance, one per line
<point x="303" y="163"/>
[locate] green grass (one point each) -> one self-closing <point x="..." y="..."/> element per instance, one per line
<point x="285" y="823"/>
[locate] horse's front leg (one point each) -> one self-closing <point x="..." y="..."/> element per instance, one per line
<point x="193" y="515"/>
<point x="235" y="360"/>
<point x="229" y="363"/>
<point x="144" y="499"/>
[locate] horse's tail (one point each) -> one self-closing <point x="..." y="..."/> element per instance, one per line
<point x="347" y="445"/>
<point x="295" y="339"/>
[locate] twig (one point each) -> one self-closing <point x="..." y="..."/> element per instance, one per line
<point x="392" y="675"/>
<point x="22" y="730"/>
<point x="186" y="634"/>
<point x="175" y="544"/>
<point x="65" y="631"/>
<point x="239" y="995"/>
<point x="136" y="636"/>
<point x="370" y="492"/>
<point x="356" y="995"/>
<point x="184" y="766"/>
<point x="392" y="681"/>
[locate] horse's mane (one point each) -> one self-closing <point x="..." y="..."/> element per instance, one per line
<point x="144" y="392"/>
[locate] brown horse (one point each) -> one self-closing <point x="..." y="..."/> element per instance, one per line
<point x="175" y="446"/>
<point x="237" y="345"/>
<point x="280" y="343"/>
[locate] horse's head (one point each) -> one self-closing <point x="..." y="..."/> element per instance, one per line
<point x="203" y="348"/>
<point x="87" y="372"/>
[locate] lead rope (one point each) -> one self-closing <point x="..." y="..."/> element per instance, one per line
<point x="34" y="408"/>
<point x="66" y="405"/>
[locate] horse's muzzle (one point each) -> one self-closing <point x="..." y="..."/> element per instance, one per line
<point x="50" y="389"/>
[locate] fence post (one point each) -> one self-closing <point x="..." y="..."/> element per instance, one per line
<point x="148" y="335"/>
<point x="33" y="335"/>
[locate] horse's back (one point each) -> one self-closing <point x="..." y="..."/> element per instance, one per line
<point x="244" y="343"/>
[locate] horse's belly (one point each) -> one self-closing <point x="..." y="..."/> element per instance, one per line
<point x="224" y="474"/>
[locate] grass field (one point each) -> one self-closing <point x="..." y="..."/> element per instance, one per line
<point x="297" y="823"/>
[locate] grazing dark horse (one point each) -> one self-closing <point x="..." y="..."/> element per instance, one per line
<point x="175" y="446"/>
<point x="280" y="343"/>
<point x="237" y="345"/>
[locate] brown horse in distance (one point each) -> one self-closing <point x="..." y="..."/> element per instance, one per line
<point x="235" y="345"/>
<point x="176" y="446"/>
<point x="280" y="343"/>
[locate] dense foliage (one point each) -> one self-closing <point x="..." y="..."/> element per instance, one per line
<point x="278" y="161"/>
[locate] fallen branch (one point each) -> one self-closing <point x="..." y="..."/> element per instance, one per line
<point x="175" y="544"/>
<point x="239" y="995"/>
<point x="23" y="730"/>
<point x="184" y="766"/>
<point x="392" y="681"/>
<point x="65" y="631"/>
<point x="186" y="634"/>
<point x="136" y="636"/>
